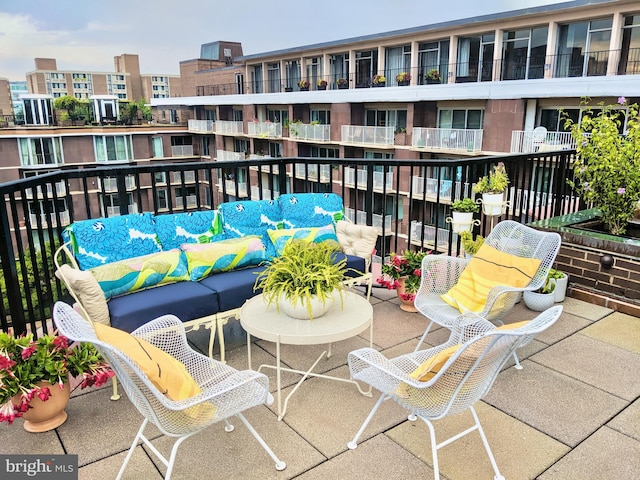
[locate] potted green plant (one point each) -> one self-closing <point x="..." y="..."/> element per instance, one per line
<point x="470" y="245"/>
<point x="403" y="273"/>
<point x="541" y="299"/>
<point x="561" y="282"/>
<point x="403" y="78"/>
<point x="433" y="76"/>
<point x="342" y="83"/>
<point x="305" y="280"/>
<point x="35" y="373"/>
<point x="462" y="214"/>
<point x="492" y="188"/>
<point x="379" y="80"/>
<point x="321" y="84"/>
<point x="303" y="85"/>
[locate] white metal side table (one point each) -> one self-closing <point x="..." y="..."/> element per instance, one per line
<point x="341" y="322"/>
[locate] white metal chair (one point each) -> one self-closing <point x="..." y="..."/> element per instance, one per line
<point x="461" y="381"/>
<point x="226" y="392"/>
<point x="441" y="272"/>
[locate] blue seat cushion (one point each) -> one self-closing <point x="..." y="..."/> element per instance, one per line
<point x="233" y="287"/>
<point x="186" y="300"/>
<point x="353" y="262"/>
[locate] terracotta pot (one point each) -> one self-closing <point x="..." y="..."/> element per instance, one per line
<point x="45" y="416"/>
<point x="406" y="305"/>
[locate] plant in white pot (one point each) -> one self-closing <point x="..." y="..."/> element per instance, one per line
<point x="492" y="188"/>
<point x="462" y="214"/>
<point x="561" y="282"/>
<point x="542" y="298"/>
<point x="305" y="281"/>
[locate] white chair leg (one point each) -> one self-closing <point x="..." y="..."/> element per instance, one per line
<point x="114" y="383"/>
<point x="353" y="444"/>
<point x="424" y="335"/>
<point x="515" y="357"/>
<point x="132" y="448"/>
<point x="434" y="449"/>
<point x="497" y="476"/>
<point x="280" y="465"/>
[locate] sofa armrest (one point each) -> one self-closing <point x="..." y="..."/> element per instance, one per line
<point x="357" y="240"/>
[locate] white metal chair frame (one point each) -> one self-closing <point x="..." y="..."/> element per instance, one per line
<point x="228" y="390"/>
<point x="463" y="380"/>
<point x="441" y="272"/>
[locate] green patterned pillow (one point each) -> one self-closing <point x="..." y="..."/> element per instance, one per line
<point x="133" y="274"/>
<point x="280" y="238"/>
<point x="207" y="258"/>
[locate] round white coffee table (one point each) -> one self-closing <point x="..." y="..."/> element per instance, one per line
<point x="339" y="323"/>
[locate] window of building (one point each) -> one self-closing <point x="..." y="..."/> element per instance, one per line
<point x="40" y="151"/>
<point x="256" y="79"/>
<point x="278" y="116"/>
<point x="162" y="202"/>
<point x="180" y="140"/>
<point x="46" y="210"/>
<point x="237" y="115"/>
<point x="156" y="145"/>
<point x="475" y="58"/>
<point x="339" y="65"/>
<point x="386" y="118"/>
<point x="461" y="118"/>
<point x="524" y="53"/>
<point x="113" y="148"/>
<point x="111" y="204"/>
<point x="323" y="117"/>
<point x="313" y="68"/>
<point x="630" y="51"/>
<point x="398" y="59"/>
<point x="292" y="72"/>
<point x="273" y="77"/>
<point x="323" y="152"/>
<point x="433" y="56"/>
<point x="583" y="48"/>
<point x="241" y="145"/>
<point x="366" y="67"/>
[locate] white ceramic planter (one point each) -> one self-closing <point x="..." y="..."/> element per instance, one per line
<point x="538" y="302"/>
<point x="462" y="221"/>
<point x="560" y="291"/>
<point x="300" y="311"/>
<point x="492" y="203"/>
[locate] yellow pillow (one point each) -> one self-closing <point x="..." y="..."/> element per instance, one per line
<point x="513" y="326"/>
<point x="487" y="269"/>
<point x="428" y="369"/>
<point x="167" y="374"/>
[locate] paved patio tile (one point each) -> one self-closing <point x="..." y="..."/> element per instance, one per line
<point x="586" y="310"/>
<point x="140" y="467"/>
<point x="606" y="454"/>
<point x="16" y="440"/>
<point x="617" y="329"/>
<point x="392" y="326"/>
<point x="559" y="406"/>
<point x="376" y="458"/>
<point x="628" y="421"/>
<point x="596" y="363"/>
<point x="521" y="452"/>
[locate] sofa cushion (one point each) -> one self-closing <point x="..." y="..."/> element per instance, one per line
<point x="133" y="274"/>
<point x="234" y="287"/>
<point x="190" y="227"/>
<point x="207" y="258"/>
<point x="355" y="264"/>
<point x="105" y="240"/>
<point x="310" y="209"/>
<point x="357" y="239"/>
<point x="185" y="300"/>
<point x="251" y="217"/>
<point x="86" y="288"/>
<point x="280" y="238"/>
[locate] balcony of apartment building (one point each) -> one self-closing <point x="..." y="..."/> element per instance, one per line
<point x="368" y="136"/>
<point x="455" y="140"/>
<point x="431" y="237"/>
<point x="267" y="167"/>
<point x="59" y="187"/>
<point x="438" y="189"/>
<point x="115" y="210"/>
<point x="381" y="221"/>
<point x="264" y="129"/>
<point x="309" y="132"/>
<point x="201" y="126"/>
<point x="227" y="127"/>
<point x="314" y="173"/>
<point x="540" y="140"/>
<point x="224" y="155"/>
<point x="110" y="185"/>
<point x="359" y="178"/>
<point x="260" y="193"/>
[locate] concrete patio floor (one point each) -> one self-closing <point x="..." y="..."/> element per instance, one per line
<point x="573" y="412"/>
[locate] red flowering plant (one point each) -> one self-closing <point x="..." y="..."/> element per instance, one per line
<point x="25" y="363"/>
<point x="407" y="265"/>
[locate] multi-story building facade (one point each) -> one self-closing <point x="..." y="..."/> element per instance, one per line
<point x="125" y="83"/>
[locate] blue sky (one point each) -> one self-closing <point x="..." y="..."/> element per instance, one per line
<point x="87" y="35"/>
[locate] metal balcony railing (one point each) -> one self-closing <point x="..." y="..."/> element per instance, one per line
<point x="310" y="132"/>
<point x="380" y="180"/>
<point x="60" y="191"/>
<point x="224" y="127"/>
<point x="223" y="155"/>
<point x="359" y="134"/>
<point x="321" y="173"/>
<point x="531" y="141"/>
<point x="192" y="201"/>
<point x="264" y="129"/>
<point x="455" y="139"/>
<point x="182" y="150"/>
<point x="201" y="126"/>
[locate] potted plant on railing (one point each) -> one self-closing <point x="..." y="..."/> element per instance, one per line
<point x="342" y="83"/>
<point x="321" y="84"/>
<point x="433" y="76"/>
<point x="35" y="375"/>
<point x="492" y="188"/>
<point x="403" y="78"/>
<point x="403" y="274"/>
<point x="303" y="85"/>
<point x="462" y="214"/>
<point x="379" y="80"/>
<point x="305" y="281"/>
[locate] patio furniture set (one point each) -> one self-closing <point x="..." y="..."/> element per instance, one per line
<point x="429" y="384"/>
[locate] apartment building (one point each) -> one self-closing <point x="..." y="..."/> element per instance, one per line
<point x="125" y="82"/>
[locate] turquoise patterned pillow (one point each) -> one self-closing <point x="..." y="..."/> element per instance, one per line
<point x="133" y="274"/>
<point x="207" y="258"/>
<point x="106" y="240"/>
<point x="240" y="219"/>
<point x="191" y="227"/>
<point x="281" y="238"/>
<point x="311" y="209"/>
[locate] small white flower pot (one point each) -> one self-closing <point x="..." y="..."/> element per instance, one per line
<point x="492" y="203"/>
<point x="462" y="221"/>
<point x="560" y="291"/>
<point x="538" y="302"/>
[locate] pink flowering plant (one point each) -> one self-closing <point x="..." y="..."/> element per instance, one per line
<point x="408" y="265"/>
<point x="607" y="168"/>
<point x="25" y="362"/>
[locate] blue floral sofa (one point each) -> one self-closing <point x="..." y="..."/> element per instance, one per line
<point x="200" y="266"/>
